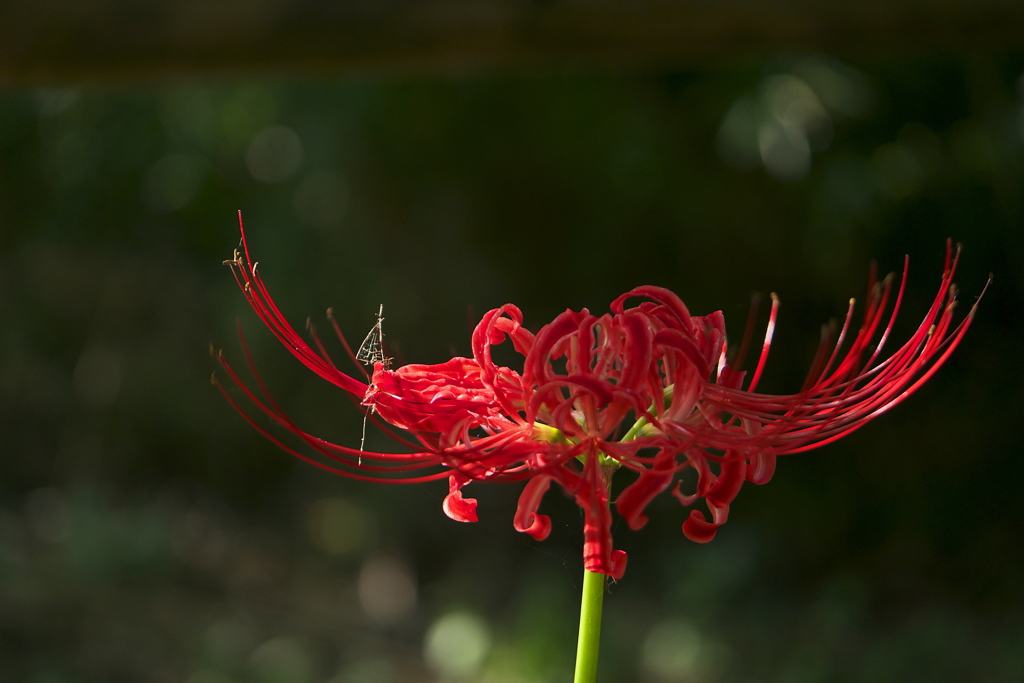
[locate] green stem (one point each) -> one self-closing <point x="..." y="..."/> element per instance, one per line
<point x="590" y="627"/>
<point x="634" y="431"/>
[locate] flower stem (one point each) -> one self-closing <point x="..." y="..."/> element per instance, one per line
<point x="590" y="627"/>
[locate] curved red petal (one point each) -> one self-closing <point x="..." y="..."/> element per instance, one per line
<point x="698" y="529"/>
<point x="455" y="506"/>
<point x="527" y="519"/>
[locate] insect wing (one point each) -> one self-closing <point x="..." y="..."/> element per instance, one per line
<point x="371" y="350"/>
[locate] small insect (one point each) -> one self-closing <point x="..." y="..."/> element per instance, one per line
<point x="371" y="351"/>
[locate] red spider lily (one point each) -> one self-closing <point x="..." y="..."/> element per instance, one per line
<point x="646" y="388"/>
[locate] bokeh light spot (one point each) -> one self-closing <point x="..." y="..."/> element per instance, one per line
<point x="737" y="137"/>
<point x="228" y="641"/>
<point x="338" y="527"/>
<point x="281" y="660"/>
<point x="456" y="645"/>
<point x="274" y="154"/>
<point x="676" y="651"/>
<point x="785" y="151"/>
<point x="387" y="589"/>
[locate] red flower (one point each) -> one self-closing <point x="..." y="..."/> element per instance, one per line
<point x="645" y="388"/>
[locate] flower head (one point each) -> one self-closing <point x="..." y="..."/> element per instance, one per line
<point x="647" y="388"/>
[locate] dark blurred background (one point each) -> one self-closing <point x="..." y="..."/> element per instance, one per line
<point x="148" y="534"/>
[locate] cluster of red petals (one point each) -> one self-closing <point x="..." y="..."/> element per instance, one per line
<point x="645" y="388"/>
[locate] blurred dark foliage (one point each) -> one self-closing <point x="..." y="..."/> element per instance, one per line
<point x="148" y="534"/>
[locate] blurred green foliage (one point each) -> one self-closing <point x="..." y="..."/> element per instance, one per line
<point x="148" y="534"/>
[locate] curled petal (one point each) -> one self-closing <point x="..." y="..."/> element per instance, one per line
<point x="598" y="388"/>
<point x="698" y="529"/>
<point x="598" y="554"/>
<point x="637" y="352"/>
<point x="548" y="345"/>
<point x="635" y="497"/>
<point x="700" y="464"/>
<point x="685" y="396"/>
<point x="687" y="346"/>
<point x="527" y="519"/>
<point x="667" y="298"/>
<point x="728" y="482"/>
<point x="761" y="467"/>
<point x="598" y="558"/>
<point x="455" y="506"/>
<point x="712" y="335"/>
